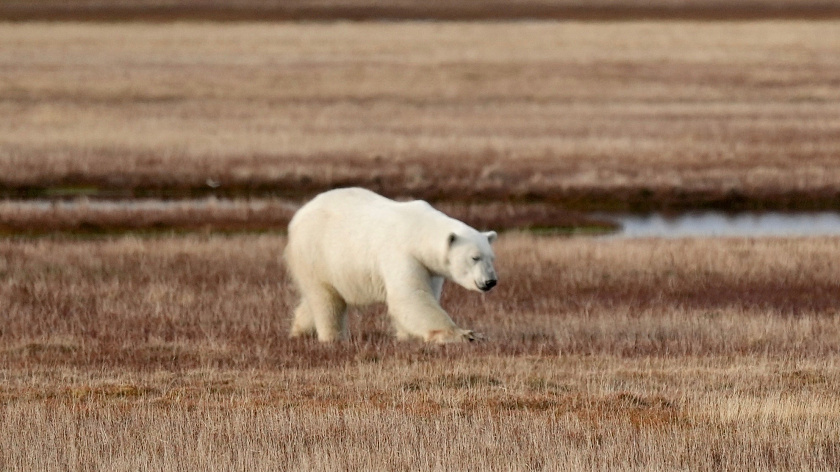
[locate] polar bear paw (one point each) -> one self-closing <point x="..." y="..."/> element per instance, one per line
<point x="455" y="335"/>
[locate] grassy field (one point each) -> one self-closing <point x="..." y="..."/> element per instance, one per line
<point x="171" y="353"/>
<point x="167" y="349"/>
<point x="621" y="115"/>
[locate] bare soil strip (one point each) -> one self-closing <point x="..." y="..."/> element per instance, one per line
<point x="417" y="10"/>
<point x="96" y="217"/>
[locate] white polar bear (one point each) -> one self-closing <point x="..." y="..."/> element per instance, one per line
<point x="353" y="247"/>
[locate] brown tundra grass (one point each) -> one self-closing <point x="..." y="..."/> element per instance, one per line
<point x="171" y="353"/>
<point x="624" y="114"/>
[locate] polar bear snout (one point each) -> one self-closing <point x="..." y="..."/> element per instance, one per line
<point x="487" y="285"/>
<point x="486" y="278"/>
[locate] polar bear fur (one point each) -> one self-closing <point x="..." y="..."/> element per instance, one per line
<point x="353" y="247"/>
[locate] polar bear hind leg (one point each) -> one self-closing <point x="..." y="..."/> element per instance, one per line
<point x="302" y="324"/>
<point x="321" y="312"/>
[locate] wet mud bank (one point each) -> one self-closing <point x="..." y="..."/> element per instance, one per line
<point x="87" y="216"/>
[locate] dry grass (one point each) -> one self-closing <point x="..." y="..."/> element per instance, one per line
<point x="165" y="353"/>
<point x="171" y="353"/>
<point x="634" y="114"/>
<point x="132" y="300"/>
<point x="487" y="414"/>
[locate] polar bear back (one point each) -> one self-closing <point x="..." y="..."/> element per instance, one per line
<point x="344" y="237"/>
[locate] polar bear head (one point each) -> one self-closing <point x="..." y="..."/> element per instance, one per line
<point x="470" y="259"/>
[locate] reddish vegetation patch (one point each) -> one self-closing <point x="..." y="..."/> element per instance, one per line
<point x="96" y="217"/>
<point x="216" y="301"/>
<point x="537" y="185"/>
<point x="416" y="10"/>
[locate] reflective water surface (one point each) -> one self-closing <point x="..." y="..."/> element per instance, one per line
<point x="691" y="224"/>
<point x="711" y="224"/>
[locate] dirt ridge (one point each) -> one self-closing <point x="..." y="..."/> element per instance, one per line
<point x="499" y="11"/>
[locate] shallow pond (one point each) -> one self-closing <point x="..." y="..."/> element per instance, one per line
<point x="252" y="214"/>
<point x="718" y="224"/>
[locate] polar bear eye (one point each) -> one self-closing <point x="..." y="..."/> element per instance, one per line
<point x="476" y="258"/>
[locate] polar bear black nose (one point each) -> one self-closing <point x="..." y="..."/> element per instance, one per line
<point x="489" y="284"/>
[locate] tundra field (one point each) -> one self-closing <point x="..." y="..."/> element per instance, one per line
<point x="164" y="351"/>
<point x="172" y="353"/>
<point x="602" y="115"/>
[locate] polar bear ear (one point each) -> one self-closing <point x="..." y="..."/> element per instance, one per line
<point x="452" y="238"/>
<point x="491" y="236"/>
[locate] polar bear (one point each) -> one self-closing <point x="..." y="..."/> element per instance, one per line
<point x="351" y="246"/>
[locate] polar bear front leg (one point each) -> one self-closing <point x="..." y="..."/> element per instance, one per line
<point x="437" y="287"/>
<point x="402" y="333"/>
<point x="417" y="313"/>
<point x="445" y="336"/>
<point x="412" y="295"/>
<point x="457" y="335"/>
